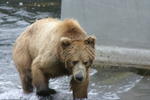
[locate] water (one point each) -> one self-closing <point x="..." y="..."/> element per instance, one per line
<point x="105" y="83"/>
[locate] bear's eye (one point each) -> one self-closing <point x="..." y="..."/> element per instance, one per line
<point x="74" y="62"/>
<point x="85" y="62"/>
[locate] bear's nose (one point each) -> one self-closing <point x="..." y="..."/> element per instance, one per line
<point x="79" y="76"/>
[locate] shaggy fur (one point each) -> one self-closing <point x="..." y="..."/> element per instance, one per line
<point x="46" y="48"/>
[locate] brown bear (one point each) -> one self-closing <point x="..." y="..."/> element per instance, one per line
<point x="50" y="48"/>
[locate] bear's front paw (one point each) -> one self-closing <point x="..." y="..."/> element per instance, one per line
<point x="47" y="92"/>
<point x="52" y="91"/>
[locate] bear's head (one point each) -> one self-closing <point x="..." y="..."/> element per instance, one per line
<point x="78" y="56"/>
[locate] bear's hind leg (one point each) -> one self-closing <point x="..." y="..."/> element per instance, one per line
<point x="23" y="62"/>
<point x="26" y="79"/>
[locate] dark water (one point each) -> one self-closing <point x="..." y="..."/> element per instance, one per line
<point x="105" y="83"/>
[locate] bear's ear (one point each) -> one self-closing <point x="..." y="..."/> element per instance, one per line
<point x="90" y="40"/>
<point x="65" y="42"/>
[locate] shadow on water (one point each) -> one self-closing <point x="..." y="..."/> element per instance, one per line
<point x="105" y="84"/>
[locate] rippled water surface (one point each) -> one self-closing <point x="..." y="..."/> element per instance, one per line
<point x="105" y="84"/>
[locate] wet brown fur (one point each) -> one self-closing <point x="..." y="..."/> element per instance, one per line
<point x="38" y="54"/>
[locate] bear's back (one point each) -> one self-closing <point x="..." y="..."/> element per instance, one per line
<point x="44" y="34"/>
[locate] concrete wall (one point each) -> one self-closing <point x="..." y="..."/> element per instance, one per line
<point x="122" y="28"/>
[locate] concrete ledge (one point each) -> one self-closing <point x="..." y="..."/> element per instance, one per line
<point x="124" y="57"/>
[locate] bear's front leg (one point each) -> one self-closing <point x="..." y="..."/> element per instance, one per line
<point x="40" y="81"/>
<point x="80" y="90"/>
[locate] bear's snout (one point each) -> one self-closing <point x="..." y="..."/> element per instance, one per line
<point x="79" y="77"/>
